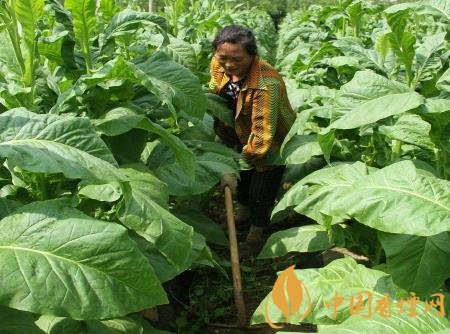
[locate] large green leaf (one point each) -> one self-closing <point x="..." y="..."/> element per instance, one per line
<point x="127" y="21"/>
<point x="423" y="322"/>
<point x="9" y="63"/>
<point x="125" y="325"/>
<point x="109" y="192"/>
<point x="353" y="47"/>
<point x="199" y="254"/>
<point x="123" y="119"/>
<point x="209" y="169"/>
<point x="56" y="144"/>
<point x="28" y="12"/>
<point x="107" y="9"/>
<point x="183" y="53"/>
<point x="17" y="322"/>
<point x="428" y="62"/>
<point x="400" y="39"/>
<point x="300" y="149"/>
<point x="310" y="238"/>
<point x="202" y="224"/>
<point x="144" y="209"/>
<point x="411" y="129"/>
<point x="437" y="7"/>
<point x="53" y="325"/>
<point x="172" y="83"/>
<point x="418" y="264"/>
<point x="370" y="97"/>
<point x="218" y="107"/>
<point x="184" y="155"/>
<point x="58" y="48"/>
<point x="169" y="81"/>
<point x="84" y="22"/>
<point x="316" y="194"/>
<point x="7" y="206"/>
<point x="399" y="199"/>
<point x="444" y="81"/>
<point x="57" y="260"/>
<point x="344" y="277"/>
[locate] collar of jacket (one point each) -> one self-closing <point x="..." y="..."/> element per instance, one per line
<point x="254" y="77"/>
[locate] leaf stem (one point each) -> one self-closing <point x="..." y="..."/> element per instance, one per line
<point x="396" y="150"/>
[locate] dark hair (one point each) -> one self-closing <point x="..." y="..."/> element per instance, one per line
<point x="237" y="34"/>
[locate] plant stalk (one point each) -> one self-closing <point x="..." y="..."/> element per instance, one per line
<point x="396" y="150"/>
<point x="14" y="36"/>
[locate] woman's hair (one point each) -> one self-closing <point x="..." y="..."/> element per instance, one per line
<point x="237" y="34"/>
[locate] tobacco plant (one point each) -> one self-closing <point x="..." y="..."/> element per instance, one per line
<point x="373" y="103"/>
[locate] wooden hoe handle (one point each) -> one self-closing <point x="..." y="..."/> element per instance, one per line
<point x="234" y="254"/>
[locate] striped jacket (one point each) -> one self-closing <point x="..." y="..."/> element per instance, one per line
<point x="263" y="114"/>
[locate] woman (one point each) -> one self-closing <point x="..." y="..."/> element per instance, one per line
<point x="263" y="116"/>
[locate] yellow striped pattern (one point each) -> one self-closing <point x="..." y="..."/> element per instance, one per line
<point x="263" y="113"/>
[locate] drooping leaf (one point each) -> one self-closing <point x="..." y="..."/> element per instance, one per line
<point x="353" y="47"/>
<point x="399" y="199"/>
<point x="418" y="264"/>
<point x="423" y="322"/>
<point x="118" y="121"/>
<point x="310" y="238"/>
<point x="57" y="260"/>
<point x="316" y="194"/>
<point x="209" y="169"/>
<point x="172" y="83"/>
<point x="128" y="21"/>
<point x="125" y="325"/>
<point x="218" y="107"/>
<point x="54" y="325"/>
<point x="9" y="63"/>
<point x="109" y="192"/>
<point x="444" y="81"/>
<point x="45" y="143"/>
<point x="144" y="209"/>
<point x="437" y="7"/>
<point x="411" y="129"/>
<point x="199" y="254"/>
<point x="122" y="119"/>
<point x="57" y="48"/>
<point x="17" y="322"/>
<point x="202" y="224"/>
<point x="370" y="97"/>
<point x="7" y="206"/>
<point x="300" y="149"/>
<point x="184" y="155"/>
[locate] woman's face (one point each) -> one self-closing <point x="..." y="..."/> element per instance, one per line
<point x="234" y="59"/>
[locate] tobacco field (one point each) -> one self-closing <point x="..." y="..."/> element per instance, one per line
<point x="109" y="169"/>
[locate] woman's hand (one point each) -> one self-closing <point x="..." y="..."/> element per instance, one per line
<point x="229" y="180"/>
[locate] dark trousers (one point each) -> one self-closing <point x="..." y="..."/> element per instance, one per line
<point x="258" y="191"/>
